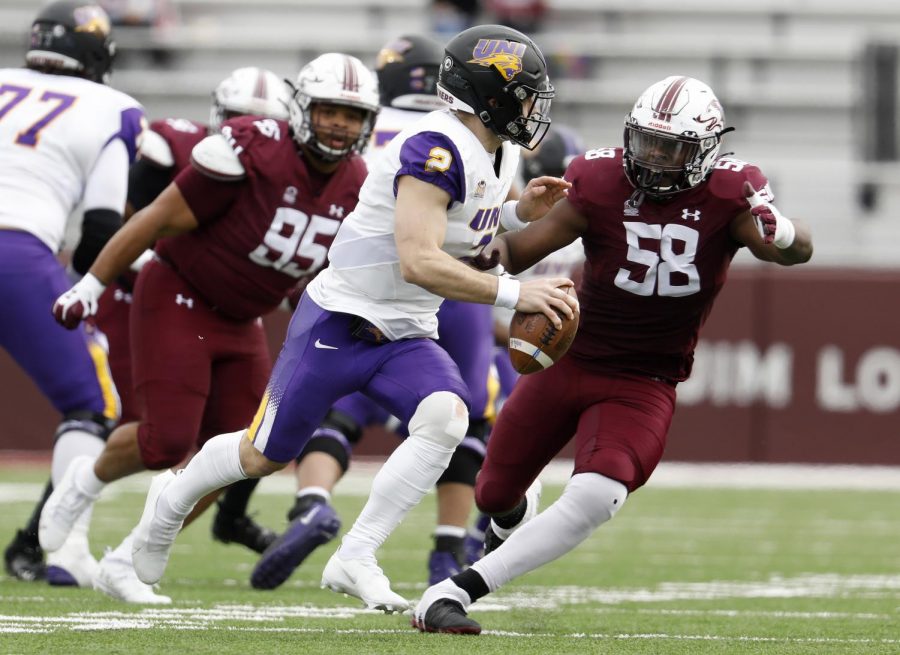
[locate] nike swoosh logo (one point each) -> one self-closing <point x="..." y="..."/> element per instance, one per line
<point x="323" y="346"/>
<point x="310" y="515"/>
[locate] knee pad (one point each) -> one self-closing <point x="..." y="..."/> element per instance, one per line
<point x="464" y="465"/>
<point x="597" y="497"/>
<point x="85" y="421"/>
<point x="336" y="437"/>
<point x="441" y="419"/>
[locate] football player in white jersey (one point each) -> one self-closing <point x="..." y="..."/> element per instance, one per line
<point x="407" y="69"/>
<point x="65" y="138"/>
<point x="367" y="322"/>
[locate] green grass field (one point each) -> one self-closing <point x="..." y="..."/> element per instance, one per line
<point x="680" y="570"/>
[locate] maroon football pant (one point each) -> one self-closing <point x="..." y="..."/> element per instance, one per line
<point x="619" y="423"/>
<point x="112" y="319"/>
<point x="196" y="373"/>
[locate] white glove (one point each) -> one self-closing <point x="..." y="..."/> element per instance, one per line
<point x="79" y="302"/>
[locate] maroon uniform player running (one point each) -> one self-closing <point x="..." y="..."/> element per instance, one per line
<point x="165" y="151"/>
<point x="256" y="211"/>
<point x="660" y="221"/>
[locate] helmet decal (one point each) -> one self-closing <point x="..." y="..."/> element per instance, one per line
<point x="667" y="104"/>
<point x="503" y="55"/>
<point x="92" y="19"/>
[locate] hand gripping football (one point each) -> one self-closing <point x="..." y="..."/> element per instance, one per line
<point x="534" y="344"/>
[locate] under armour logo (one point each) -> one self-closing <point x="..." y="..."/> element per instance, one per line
<point x="337" y="212"/>
<point x="686" y="214"/>
<point x="121" y="296"/>
<point x="182" y="300"/>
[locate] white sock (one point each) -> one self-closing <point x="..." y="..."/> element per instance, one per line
<point x="70" y="445"/>
<point x="87" y="481"/>
<point x="217" y="465"/>
<point x="319" y="491"/>
<point x="123" y="550"/>
<point x="408" y="474"/>
<point x="449" y="531"/>
<point x="589" y="500"/>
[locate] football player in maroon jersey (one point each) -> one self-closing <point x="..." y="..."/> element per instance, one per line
<point x="661" y="220"/>
<point x="257" y="210"/>
<point x="166" y="150"/>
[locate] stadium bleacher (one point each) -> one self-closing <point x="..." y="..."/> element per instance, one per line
<point x="787" y="72"/>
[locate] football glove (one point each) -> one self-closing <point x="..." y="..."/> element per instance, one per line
<point x="773" y="227"/>
<point x="79" y="302"/>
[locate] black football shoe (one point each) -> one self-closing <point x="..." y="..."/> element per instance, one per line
<point x="243" y="530"/>
<point x="24" y="558"/>
<point x="446" y="616"/>
<point x="491" y="540"/>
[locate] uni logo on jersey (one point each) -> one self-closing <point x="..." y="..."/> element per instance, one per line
<point x="91" y="19"/>
<point x="505" y="56"/>
<point x="486" y="219"/>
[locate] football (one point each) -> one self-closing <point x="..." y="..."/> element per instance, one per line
<point x="534" y="344"/>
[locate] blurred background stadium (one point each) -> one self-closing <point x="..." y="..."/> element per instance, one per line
<point x="794" y="366"/>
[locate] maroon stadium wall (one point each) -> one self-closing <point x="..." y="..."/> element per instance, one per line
<point x="794" y="366"/>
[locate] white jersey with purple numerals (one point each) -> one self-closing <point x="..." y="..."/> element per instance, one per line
<point x="52" y="130"/>
<point x="364" y="277"/>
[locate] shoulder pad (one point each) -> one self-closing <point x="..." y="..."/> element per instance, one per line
<point x="214" y="157"/>
<point x="155" y="149"/>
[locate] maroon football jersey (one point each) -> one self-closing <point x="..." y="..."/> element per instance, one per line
<point x="652" y="271"/>
<point x="181" y="135"/>
<point x="277" y="229"/>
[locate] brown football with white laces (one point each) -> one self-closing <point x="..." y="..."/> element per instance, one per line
<point x="534" y="344"/>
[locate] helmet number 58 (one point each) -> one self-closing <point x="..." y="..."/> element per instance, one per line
<point x="669" y="271"/>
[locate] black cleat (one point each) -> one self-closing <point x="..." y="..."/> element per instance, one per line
<point x="447" y="616"/>
<point x="491" y="540"/>
<point x="242" y="530"/>
<point x="24" y="558"/>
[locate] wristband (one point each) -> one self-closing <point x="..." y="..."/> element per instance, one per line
<point x="785" y="232"/>
<point x="507" y="292"/>
<point x="509" y="218"/>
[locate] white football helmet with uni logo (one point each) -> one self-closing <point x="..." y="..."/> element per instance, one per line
<point x="672" y="136"/>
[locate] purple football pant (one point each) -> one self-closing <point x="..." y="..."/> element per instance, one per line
<point x="68" y="366"/>
<point x="321" y="361"/>
<point x="466" y="332"/>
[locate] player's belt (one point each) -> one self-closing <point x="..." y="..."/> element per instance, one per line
<point x="367" y="331"/>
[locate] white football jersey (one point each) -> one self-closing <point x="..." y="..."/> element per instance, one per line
<point x="390" y="123"/>
<point x="364" y="276"/>
<point x="52" y="131"/>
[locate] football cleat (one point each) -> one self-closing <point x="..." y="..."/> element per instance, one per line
<point x="443" y="564"/>
<point x="242" y="530"/>
<point x="153" y="539"/>
<point x="64" y="506"/>
<point x="362" y="578"/>
<point x="24" y="558"/>
<point x="491" y="541"/>
<point x="442" y="609"/>
<point x="316" y="526"/>
<point x="116" y="578"/>
<point x="72" y="565"/>
<point x="447" y="616"/>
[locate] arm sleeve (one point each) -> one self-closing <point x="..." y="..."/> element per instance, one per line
<point x="146" y="181"/>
